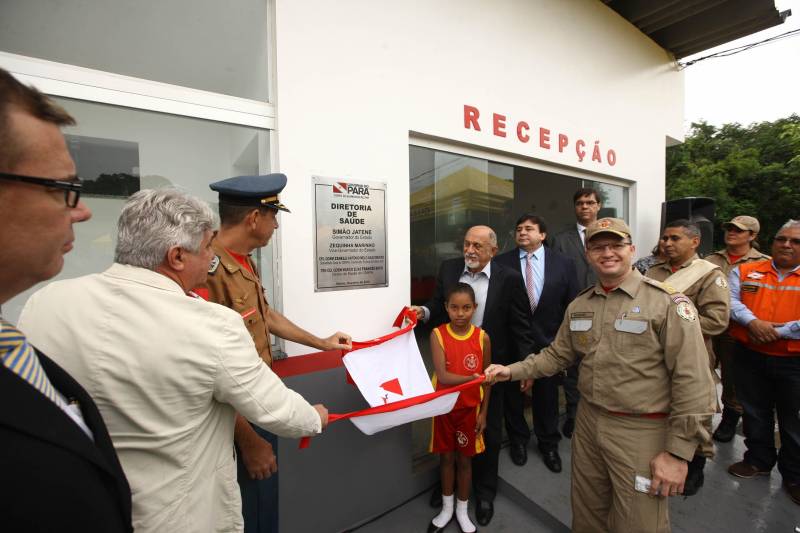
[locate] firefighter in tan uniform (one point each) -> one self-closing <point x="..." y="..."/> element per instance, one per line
<point x="646" y="389"/>
<point x="707" y="287"/>
<point x="740" y="234"/>
<point x="248" y="207"/>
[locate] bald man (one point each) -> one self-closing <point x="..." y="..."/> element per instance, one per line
<point x="504" y="314"/>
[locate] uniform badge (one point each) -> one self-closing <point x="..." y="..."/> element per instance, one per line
<point x="583" y="339"/>
<point x="461" y="439"/>
<point x="721" y="282"/>
<point x="214" y="264"/>
<point x="755" y="275"/>
<point x="686" y="312"/>
<point x="471" y="362"/>
<point x="636" y="309"/>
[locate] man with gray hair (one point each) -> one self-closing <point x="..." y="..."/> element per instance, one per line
<point x="765" y="321"/>
<point x="168" y="370"/>
<point x="504" y="313"/>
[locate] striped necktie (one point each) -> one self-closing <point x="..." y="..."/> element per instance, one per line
<point x="19" y="357"/>
<point x="529" y="285"/>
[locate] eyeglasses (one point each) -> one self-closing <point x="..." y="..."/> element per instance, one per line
<point x="599" y="248"/>
<point x="783" y="240"/>
<point x="72" y="189"/>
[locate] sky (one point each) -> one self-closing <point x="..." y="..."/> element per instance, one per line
<point x="753" y="86"/>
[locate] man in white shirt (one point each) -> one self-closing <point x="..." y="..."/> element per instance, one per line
<point x="167" y="369"/>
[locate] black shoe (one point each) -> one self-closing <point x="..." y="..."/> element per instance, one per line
<point x="436" y="497"/>
<point x="727" y="426"/>
<point x="568" y="428"/>
<point x="433" y="529"/>
<point x="484" y="511"/>
<point x="519" y="453"/>
<point x="694" y="477"/>
<point x="552" y="460"/>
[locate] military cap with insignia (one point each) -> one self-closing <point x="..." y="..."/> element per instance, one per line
<point x="615" y="226"/>
<point x="256" y="191"/>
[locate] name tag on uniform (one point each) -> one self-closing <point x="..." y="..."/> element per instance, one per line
<point x="581" y="321"/>
<point x="630" y="326"/>
<point x="249" y="312"/>
<point x="747" y="287"/>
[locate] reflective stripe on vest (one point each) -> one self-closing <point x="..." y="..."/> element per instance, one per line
<point x="770" y="300"/>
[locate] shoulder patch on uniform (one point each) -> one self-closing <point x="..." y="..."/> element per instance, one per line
<point x="721" y="282"/>
<point x="679" y="298"/>
<point x="214" y="264"/>
<point x="659" y="284"/>
<point x="686" y="311"/>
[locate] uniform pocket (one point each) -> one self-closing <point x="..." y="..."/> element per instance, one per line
<point x="631" y="334"/>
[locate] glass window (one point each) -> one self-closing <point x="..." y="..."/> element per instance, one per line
<point x="203" y="44"/>
<point x="451" y="192"/>
<point x="118" y="151"/>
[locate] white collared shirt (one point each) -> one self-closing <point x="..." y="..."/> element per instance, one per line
<point x="479" y="281"/>
<point x="582" y="233"/>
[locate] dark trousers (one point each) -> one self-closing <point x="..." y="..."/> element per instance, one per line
<point x="571" y="393"/>
<point x="259" y="497"/>
<point x="766" y="384"/>
<point x="484" y="465"/>
<point x="724" y="346"/>
<point x="514" y="413"/>
<point x="545" y="412"/>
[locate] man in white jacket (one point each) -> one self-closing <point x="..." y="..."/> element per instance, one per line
<point x="168" y="370"/>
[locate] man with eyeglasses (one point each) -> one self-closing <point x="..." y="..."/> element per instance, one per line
<point x="707" y="287"/>
<point x="571" y="242"/>
<point x="59" y="468"/>
<point x="645" y="384"/>
<point x="765" y="321"/>
<point x="740" y="240"/>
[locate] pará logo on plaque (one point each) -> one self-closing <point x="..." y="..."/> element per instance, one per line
<point x="351" y="189"/>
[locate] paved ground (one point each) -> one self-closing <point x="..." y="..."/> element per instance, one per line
<point x="534" y="499"/>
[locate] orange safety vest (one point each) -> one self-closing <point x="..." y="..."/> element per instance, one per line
<point x="771" y="300"/>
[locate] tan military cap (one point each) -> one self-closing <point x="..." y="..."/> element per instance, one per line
<point x="744" y="223"/>
<point x="615" y="226"/>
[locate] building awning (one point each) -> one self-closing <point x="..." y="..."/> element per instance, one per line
<point x="686" y="27"/>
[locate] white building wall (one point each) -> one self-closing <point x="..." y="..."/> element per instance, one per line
<point x="355" y="79"/>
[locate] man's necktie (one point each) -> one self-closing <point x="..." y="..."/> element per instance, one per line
<point x="529" y="286"/>
<point x="19" y="357"/>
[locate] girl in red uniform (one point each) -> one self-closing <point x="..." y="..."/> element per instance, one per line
<point x="460" y="353"/>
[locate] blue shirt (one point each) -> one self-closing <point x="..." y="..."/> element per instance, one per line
<point x="743" y="315"/>
<point x="537" y="264"/>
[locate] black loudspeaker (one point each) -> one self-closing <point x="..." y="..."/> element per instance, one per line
<point x="696" y="209"/>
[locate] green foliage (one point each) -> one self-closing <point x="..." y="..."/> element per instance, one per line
<point x="751" y="170"/>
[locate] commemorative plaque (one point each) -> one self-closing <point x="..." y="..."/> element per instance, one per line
<point x="350" y="234"/>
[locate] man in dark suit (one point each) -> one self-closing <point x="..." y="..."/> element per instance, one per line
<point x="59" y="468"/>
<point x="503" y="312"/>
<point x="571" y="241"/>
<point x="550" y="285"/>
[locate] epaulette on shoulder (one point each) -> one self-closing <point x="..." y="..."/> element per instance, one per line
<point x="660" y="284"/>
<point x="587" y="289"/>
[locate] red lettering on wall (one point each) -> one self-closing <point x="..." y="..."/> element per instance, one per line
<point x="563" y="141"/>
<point x="522" y="129"/>
<point x="499" y="122"/>
<point x="546" y="141"/>
<point x="471" y="115"/>
<point x="544" y="138"/>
